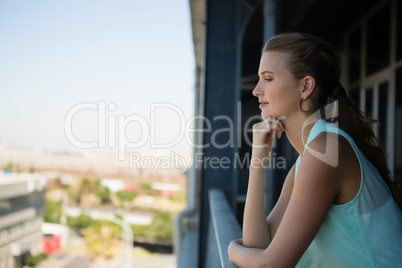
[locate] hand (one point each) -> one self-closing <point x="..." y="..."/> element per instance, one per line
<point x="232" y="246"/>
<point x="263" y="136"/>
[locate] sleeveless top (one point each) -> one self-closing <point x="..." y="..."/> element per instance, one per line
<point x="366" y="231"/>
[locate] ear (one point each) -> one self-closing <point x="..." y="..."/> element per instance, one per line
<point x="308" y="83"/>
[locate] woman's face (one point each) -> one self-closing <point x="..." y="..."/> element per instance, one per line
<point x="277" y="90"/>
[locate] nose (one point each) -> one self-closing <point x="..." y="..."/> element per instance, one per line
<point x="256" y="91"/>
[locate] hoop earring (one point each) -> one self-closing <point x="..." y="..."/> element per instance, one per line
<point x="306" y="112"/>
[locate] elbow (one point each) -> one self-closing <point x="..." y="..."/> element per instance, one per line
<point x="265" y="260"/>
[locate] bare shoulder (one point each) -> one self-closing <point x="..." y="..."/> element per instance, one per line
<point x="321" y="153"/>
<point x="331" y="149"/>
<point x="333" y="157"/>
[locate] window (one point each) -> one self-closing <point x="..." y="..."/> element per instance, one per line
<point x="355" y="55"/>
<point x="378" y="40"/>
<point x="382" y="112"/>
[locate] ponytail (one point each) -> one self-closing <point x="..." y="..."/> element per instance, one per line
<point x="353" y="121"/>
<point x="338" y="92"/>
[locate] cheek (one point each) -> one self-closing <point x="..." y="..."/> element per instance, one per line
<point x="286" y="102"/>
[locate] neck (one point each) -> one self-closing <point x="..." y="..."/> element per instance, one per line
<point x="298" y="128"/>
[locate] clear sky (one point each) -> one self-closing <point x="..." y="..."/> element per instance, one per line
<point x="57" y="55"/>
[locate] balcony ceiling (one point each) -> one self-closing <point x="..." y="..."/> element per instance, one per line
<point x="197" y="8"/>
<point x="325" y="18"/>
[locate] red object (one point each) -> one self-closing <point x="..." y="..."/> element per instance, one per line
<point x="51" y="243"/>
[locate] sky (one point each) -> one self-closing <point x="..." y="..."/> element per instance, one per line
<point x="77" y="74"/>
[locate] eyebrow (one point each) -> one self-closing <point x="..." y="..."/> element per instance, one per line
<point x="264" y="72"/>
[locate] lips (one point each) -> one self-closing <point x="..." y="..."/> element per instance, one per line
<point x="262" y="104"/>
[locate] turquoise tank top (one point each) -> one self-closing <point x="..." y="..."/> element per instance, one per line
<point x="365" y="232"/>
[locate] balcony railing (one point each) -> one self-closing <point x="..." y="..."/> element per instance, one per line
<point x="223" y="228"/>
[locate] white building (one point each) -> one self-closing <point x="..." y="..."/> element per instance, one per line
<point x="21" y="206"/>
<point x="114" y="185"/>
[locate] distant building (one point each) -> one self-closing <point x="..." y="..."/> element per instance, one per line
<point x="114" y="185"/>
<point x="21" y="206"/>
<point x="166" y="188"/>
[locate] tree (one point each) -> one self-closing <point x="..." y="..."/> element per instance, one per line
<point x="8" y="167"/>
<point x="147" y="188"/>
<point x="87" y="186"/>
<point x="57" y="184"/>
<point x="31" y="170"/>
<point x="161" y="227"/>
<point x="126" y="198"/>
<point x="104" y="194"/>
<point x="33" y="261"/>
<point x="51" y="211"/>
<point x="73" y="194"/>
<point x="79" y="223"/>
<point x="101" y="238"/>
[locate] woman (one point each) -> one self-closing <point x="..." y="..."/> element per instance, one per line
<point x="338" y="206"/>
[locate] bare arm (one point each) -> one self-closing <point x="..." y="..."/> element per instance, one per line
<point x="255" y="231"/>
<point x="275" y="217"/>
<point x="314" y="191"/>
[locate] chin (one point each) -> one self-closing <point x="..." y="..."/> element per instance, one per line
<point x="265" y="114"/>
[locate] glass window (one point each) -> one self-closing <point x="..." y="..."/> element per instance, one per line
<point x="32" y="200"/>
<point x="354" y="55"/>
<point x="382" y="112"/>
<point x="398" y="125"/>
<point x="378" y="36"/>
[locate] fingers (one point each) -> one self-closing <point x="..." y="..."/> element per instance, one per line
<point x="264" y="132"/>
<point x="280" y="130"/>
<point x="274" y="124"/>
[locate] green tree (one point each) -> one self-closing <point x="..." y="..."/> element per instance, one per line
<point x="8" y="167"/>
<point x="139" y="231"/>
<point x="147" y="188"/>
<point x="57" y="183"/>
<point x="79" y="223"/>
<point x="104" y="194"/>
<point x="161" y="227"/>
<point x="51" y="211"/>
<point x="126" y="196"/>
<point x="86" y="187"/>
<point x="72" y="193"/>
<point x="101" y="238"/>
<point x="33" y="261"/>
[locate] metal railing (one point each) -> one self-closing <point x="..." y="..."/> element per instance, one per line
<point x="223" y="228"/>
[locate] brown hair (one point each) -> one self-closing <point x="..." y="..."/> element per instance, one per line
<point x="310" y="55"/>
